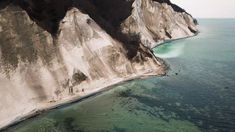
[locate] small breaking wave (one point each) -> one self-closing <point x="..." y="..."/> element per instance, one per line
<point x="169" y="50"/>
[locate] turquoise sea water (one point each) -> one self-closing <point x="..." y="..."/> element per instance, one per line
<point x="198" y="94"/>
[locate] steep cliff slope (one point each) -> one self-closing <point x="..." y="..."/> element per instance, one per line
<point x="158" y="20"/>
<point x="52" y="51"/>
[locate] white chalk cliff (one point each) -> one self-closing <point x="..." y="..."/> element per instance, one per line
<point x="53" y="51"/>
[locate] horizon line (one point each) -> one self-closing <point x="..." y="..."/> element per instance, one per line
<point x="214" y="17"/>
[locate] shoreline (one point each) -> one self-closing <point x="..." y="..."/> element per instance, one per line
<point x="97" y="91"/>
<point x="75" y="99"/>
<point x="171" y="40"/>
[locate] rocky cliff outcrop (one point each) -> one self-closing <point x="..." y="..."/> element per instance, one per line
<point x="158" y="20"/>
<point x="52" y="51"/>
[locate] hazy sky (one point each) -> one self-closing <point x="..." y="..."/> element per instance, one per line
<point x="208" y="8"/>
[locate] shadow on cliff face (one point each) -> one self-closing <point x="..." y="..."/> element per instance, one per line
<point x="22" y="39"/>
<point x="46" y="13"/>
<point x="13" y="42"/>
<point x="109" y="15"/>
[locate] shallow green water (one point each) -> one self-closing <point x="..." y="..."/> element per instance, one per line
<point x="197" y="95"/>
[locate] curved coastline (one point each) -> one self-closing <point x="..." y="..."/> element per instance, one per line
<point x="77" y="99"/>
<point x="170" y="40"/>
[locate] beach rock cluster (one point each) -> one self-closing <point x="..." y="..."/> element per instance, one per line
<point x="52" y="51"/>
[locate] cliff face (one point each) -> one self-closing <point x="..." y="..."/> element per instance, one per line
<point x="55" y="50"/>
<point x="158" y="20"/>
